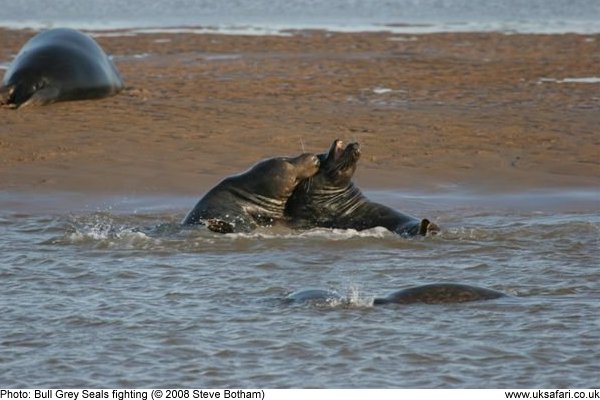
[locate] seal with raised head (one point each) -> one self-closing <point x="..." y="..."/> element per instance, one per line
<point x="331" y="200"/>
<point x="59" y="65"/>
<point x="439" y="293"/>
<point x="254" y="198"/>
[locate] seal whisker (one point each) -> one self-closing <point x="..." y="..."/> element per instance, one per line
<point x="306" y="184"/>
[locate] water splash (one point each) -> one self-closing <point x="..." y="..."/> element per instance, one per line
<point x="353" y="297"/>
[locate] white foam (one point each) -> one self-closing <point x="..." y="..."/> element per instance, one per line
<point x="345" y="234"/>
<point x="315" y="233"/>
<point x="352" y="297"/>
<point x="118" y="29"/>
<point x="591" y="79"/>
<point x="381" y="90"/>
<point x="119" y="33"/>
<point x="132" y="27"/>
<point x="403" y="39"/>
<point x="356" y="298"/>
<point x="219" y="29"/>
<point x="105" y="232"/>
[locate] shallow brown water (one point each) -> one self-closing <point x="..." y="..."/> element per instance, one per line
<point x="112" y="292"/>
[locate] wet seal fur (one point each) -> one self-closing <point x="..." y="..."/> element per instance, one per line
<point x="59" y="65"/>
<point x="331" y="200"/>
<point x="254" y="198"/>
<point x="439" y="293"/>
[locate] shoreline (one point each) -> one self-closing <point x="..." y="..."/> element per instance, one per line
<point x="417" y="28"/>
<point x="540" y="201"/>
<point x="466" y="110"/>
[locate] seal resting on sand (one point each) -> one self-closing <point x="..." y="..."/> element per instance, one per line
<point x="438" y="293"/>
<point x="331" y="200"/>
<point x="254" y="198"/>
<point x="59" y="65"/>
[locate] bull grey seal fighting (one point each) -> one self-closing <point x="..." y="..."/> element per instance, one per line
<point x="59" y="65"/>
<point x="330" y="199"/>
<point x="254" y="198"/>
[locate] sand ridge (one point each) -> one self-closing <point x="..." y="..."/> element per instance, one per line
<point x="430" y="111"/>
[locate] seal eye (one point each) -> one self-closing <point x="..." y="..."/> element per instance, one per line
<point x="316" y="160"/>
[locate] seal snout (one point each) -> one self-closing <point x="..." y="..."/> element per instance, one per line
<point x="306" y="165"/>
<point x="311" y="161"/>
<point x="354" y="147"/>
<point x="338" y="149"/>
<point x="353" y="151"/>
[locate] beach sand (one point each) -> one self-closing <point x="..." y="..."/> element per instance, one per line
<point x="483" y="111"/>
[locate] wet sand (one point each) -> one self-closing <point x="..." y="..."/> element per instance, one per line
<point x="472" y="110"/>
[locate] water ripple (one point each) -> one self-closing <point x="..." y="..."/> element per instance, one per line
<point x="134" y="299"/>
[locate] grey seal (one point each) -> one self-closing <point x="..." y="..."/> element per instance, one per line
<point x="438" y="293"/>
<point x="257" y="197"/>
<point x="435" y="293"/>
<point x="59" y="65"/>
<point x="330" y="199"/>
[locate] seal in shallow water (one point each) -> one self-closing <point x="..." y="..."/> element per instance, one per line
<point x="438" y="293"/>
<point x="59" y="65"/>
<point x="330" y="199"/>
<point x="254" y="198"/>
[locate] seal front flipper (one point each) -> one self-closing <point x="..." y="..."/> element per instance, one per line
<point x="5" y="94"/>
<point x="42" y="97"/>
<point x="431" y="229"/>
<point x="219" y="226"/>
<point x="428" y="228"/>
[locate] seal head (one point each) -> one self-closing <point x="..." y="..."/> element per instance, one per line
<point x="338" y="164"/>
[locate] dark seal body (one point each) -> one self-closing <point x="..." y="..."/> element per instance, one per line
<point x="438" y="293"/>
<point x="59" y="65"/>
<point x="254" y="198"/>
<point x="331" y="200"/>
